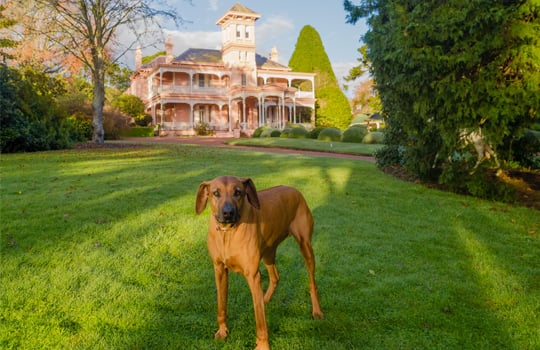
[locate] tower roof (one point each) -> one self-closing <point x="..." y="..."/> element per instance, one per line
<point x="238" y="10"/>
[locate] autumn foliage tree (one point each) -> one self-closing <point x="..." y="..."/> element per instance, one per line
<point x="309" y="56"/>
<point x="87" y="30"/>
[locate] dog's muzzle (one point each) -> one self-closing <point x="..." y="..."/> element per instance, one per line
<point x="228" y="214"/>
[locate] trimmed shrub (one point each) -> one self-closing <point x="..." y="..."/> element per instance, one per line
<point x="330" y="134"/>
<point x="285" y="133"/>
<point x="275" y="133"/>
<point x="259" y="130"/>
<point x="314" y="133"/>
<point x="373" y="137"/>
<point x="298" y="133"/>
<point x="270" y="132"/>
<point x="354" y="134"/>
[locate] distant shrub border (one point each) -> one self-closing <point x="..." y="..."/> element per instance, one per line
<point x="259" y="130"/>
<point x="271" y="132"/>
<point x="373" y="137"/>
<point x="330" y="134"/>
<point x="354" y="134"/>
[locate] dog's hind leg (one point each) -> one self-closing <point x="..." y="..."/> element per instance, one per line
<point x="270" y="264"/>
<point x="302" y="231"/>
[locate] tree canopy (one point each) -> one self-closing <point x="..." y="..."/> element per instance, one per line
<point x="442" y="67"/>
<point x="309" y="56"/>
<point x="88" y="32"/>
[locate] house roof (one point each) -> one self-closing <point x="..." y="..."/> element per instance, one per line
<point x="238" y="7"/>
<point x="214" y="56"/>
<point x="200" y="55"/>
<point x="238" y="10"/>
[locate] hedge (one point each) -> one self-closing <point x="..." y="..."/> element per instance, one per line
<point x="140" y="131"/>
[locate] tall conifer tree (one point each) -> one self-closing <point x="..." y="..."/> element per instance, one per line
<point x="309" y="56"/>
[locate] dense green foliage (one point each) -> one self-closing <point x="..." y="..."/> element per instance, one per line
<point x="30" y="118"/>
<point x="309" y="56"/>
<point x="130" y="104"/>
<point x="330" y="134"/>
<point x="333" y="108"/>
<point x="445" y="67"/>
<point x="354" y="134"/>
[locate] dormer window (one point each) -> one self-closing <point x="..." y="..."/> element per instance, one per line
<point x="244" y="80"/>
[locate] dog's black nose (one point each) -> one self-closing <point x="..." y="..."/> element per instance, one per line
<point x="228" y="213"/>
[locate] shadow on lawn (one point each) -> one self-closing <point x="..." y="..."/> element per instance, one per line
<point x="392" y="277"/>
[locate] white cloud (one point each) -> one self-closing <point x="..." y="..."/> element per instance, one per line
<point x="199" y="40"/>
<point x="213" y="5"/>
<point x="274" y="27"/>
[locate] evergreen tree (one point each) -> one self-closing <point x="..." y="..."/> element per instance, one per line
<point x="442" y="67"/>
<point x="309" y="56"/>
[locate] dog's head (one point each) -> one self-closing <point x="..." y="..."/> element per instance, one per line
<point x="227" y="195"/>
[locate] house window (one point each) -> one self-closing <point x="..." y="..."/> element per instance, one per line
<point x="244" y="80"/>
<point x="238" y="32"/>
<point x="201" y="80"/>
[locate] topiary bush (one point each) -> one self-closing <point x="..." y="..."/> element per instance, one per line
<point x="259" y="130"/>
<point x="314" y="133"/>
<point x="330" y="134"/>
<point x="373" y="137"/>
<point x="275" y="133"/>
<point x="270" y="132"/>
<point x="298" y="133"/>
<point x="285" y="133"/>
<point x="354" y="134"/>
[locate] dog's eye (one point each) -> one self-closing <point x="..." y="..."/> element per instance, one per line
<point x="237" y="193"/>
<point x="216" y="194"/>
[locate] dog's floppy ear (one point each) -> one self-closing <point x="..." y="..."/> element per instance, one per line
<point x="251" y="193"/>
<point x="202" y="197"/>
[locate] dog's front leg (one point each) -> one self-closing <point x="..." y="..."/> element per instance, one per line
<point x="254" y="282"/>
<point x="222" y="286"/>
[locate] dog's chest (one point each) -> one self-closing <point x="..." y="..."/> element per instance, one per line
<point x="231" y="248"/>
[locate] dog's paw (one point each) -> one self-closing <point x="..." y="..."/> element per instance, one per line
<point x="317" y="315"/>
<point x="221" y="333"/>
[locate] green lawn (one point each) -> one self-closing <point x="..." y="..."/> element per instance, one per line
<point x="308" y="144"/>
<point x="101" y="249"/>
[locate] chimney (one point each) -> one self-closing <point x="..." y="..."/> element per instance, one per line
<point x="138" y="58"/>
<point x="169" y="50"/>
<point x="274" y="54"/>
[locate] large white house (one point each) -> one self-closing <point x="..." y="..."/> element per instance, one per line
<point x="231" y="88"/>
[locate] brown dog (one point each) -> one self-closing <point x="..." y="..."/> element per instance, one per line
<point x="247" y="226"/>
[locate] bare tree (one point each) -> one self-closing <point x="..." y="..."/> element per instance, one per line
<point x="88" y="30"/>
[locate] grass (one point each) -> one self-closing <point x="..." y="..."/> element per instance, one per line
<point x="101" y="249"/>
<point x="308" y="144"/>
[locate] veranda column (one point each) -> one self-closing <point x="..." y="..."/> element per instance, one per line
<point x="191" y="117"/>
<point x="294" y="109"/>
<point x="244" y="111"/>
<point x="230" y="115"/>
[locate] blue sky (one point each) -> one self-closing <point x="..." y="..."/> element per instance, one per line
<point x="279" y="25"/>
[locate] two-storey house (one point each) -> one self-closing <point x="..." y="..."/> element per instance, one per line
<point x="231" y="88"/>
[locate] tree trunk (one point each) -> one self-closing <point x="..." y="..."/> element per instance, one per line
<point x="97" y="105"/>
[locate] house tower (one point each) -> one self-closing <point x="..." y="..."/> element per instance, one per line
<point x="238" y="38"/>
